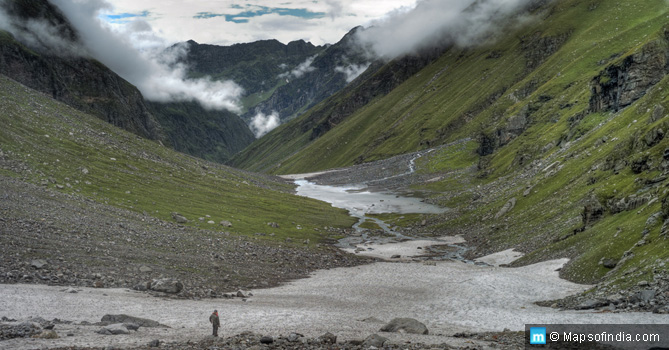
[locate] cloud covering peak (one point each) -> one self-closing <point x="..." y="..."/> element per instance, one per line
<point x="434" y="23"/>
<point x="154" y="73"/>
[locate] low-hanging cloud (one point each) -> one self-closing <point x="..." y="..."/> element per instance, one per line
<point x="352" y="71"/>
<point x="434" y="23"/>
<point x="148" y="70"/>
<point x="301" y="69"/>
<point x="261" y="124"/>
<point x="38" y="34"/>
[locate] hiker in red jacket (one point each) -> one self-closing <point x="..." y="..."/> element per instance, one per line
<point x="215" y="322"/>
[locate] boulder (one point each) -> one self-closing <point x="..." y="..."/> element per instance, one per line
<point x="294" y="337"/>
<point x="113" y="329"/>
<point x="405" y="325"/>
<point x="273" y="224"/>
<point x="645" y="295"/>
<point x="131" y="326"/>
<point x="39" y="263"/>
<point x="506" y="208"/>
<point x="374" y="340"/>
<point x="592" y="211"/>
<point x="142" y="287"/>
<point x="145" y="268"/>
<point x="47" y="335"/>
<point x="179" y="218"/>
<point x="658" y="113"/>
<point x="590" y="304"/>
<point x="226" y="223"/>
<point x="167" y="285"/>
<point x="266" y="340"/>
<point x="141" y="322"/>
<point x="328" y="338"/>
<point x="609" y="263"/>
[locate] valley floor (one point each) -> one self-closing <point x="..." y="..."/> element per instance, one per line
<point x="352" y="303"/>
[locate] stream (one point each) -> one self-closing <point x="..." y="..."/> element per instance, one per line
<point x="359" y="201"/>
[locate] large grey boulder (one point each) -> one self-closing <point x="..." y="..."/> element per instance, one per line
<point x="167" y="285"/>
<point x="405" y="325"/>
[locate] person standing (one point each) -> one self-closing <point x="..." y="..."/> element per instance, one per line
<point x="215" y="322"/>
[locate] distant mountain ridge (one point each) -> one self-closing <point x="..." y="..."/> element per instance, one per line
<point x="286" y="79"/>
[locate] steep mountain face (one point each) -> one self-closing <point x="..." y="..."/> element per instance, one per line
<point x="59" y="70"/>
<point x="208" y="134"/>
<point x="551" y="140"/>
<point x="45" y="53"/>
<point x="282" y="79"/>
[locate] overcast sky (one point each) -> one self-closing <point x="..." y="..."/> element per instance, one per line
<point x="225" y="22"/>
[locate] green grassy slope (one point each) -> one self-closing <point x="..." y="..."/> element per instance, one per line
<point x="73" y="152"/>
<point x="468" y="90"/>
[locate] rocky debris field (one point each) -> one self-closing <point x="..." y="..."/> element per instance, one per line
<point x="651" y="296"/>
<point x="42" y="329"/>
<point x="60" y="239"/>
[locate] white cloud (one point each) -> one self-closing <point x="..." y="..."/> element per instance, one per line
<point x="262" y="124"/>
<point x="437" y="22"/>
<point x="302" y="69"/>
<point x="153" y="74"/>
<point x="352" y="71"/>
<point x="174" y="19"/>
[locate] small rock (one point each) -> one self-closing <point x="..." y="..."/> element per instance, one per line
<point x="47" y="335"/>
<point x="293" y="337"/>
<point x="266" y="340"/>
<point x="225" y="223"/>
<point x="328" y="338"/>
<point x="405" y="325"/>
<point x="179" y="218"/>
<point x="506" y="208"/>
<point x="39" y="264"/>
<point x="131" y="326"/>
<point x="114" y="329"/>
<point x="609" y="263"/>
<point x="643" y="284"/>
<point x="167" y="285"/>
<point x="154" y="343"/>
<point x="145" y="268"/>
<point x="590" y="304"/>
<point x="374" y="340"/>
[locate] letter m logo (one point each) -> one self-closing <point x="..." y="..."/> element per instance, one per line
<point x="538" y="335"/>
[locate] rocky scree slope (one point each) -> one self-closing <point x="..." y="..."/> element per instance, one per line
<point x="87" y="204"/>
